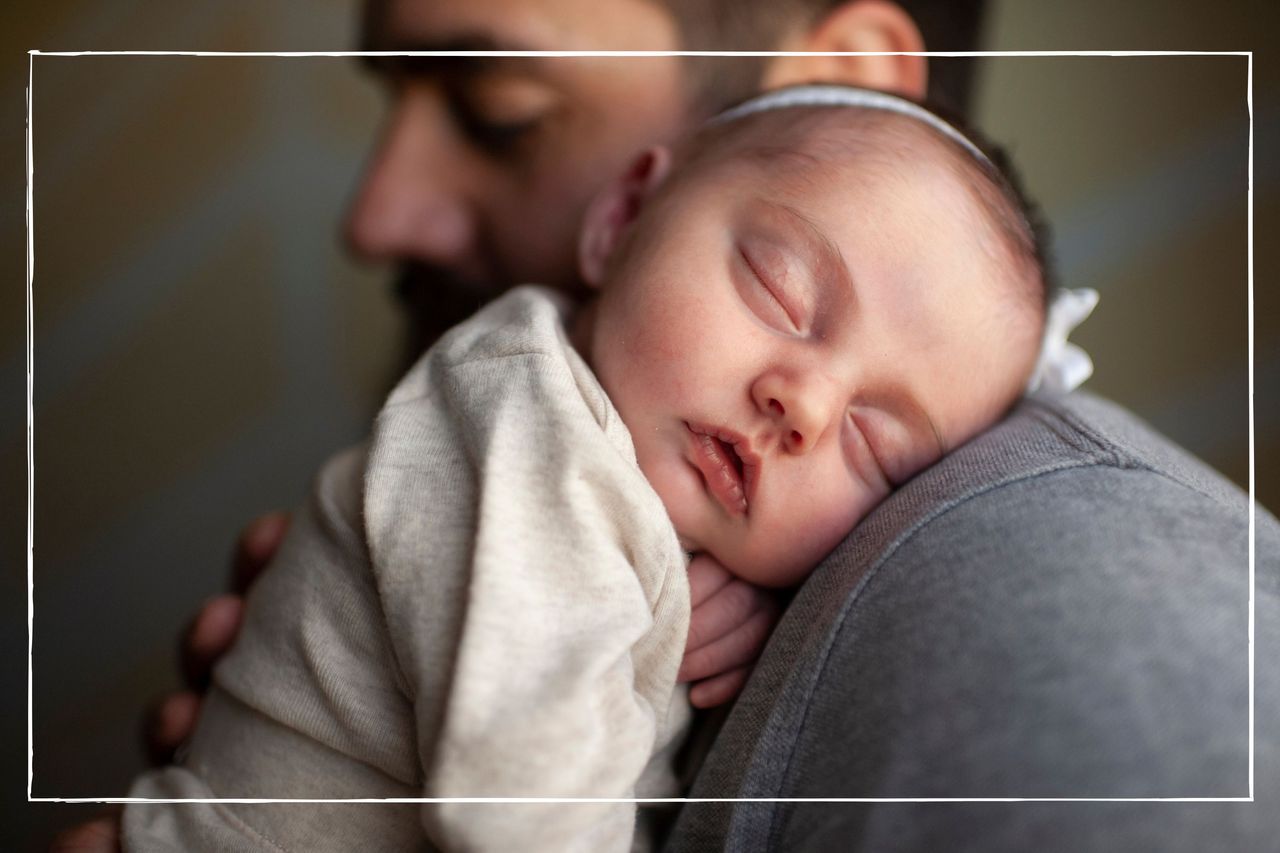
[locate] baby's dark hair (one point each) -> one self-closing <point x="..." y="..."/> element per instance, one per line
<point x="1028" y="226"/>
<point x="992" y="183"/>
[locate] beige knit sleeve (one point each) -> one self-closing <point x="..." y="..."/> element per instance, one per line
<point x="555" y="587"/>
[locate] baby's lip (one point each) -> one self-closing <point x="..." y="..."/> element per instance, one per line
<point x="728" y="465"/>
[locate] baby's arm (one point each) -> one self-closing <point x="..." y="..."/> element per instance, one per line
<point x="562" y="596"/>
<point x="728" y="627"/>
<point x="306" y="705"/>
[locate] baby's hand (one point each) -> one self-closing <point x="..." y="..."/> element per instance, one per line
<point x="730" y="623"/>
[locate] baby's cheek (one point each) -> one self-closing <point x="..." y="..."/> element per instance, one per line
<point x="811" y="529"/>
<point x="679" y="488"/>
<point x="825" y="534"/>
<point x="653" y="356"/>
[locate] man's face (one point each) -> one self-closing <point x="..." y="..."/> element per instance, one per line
<point x="485" y="165"/>
<point x="789" y="341"/>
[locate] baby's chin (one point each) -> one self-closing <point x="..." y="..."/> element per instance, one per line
<point x="690" y="545"/>
<point x="694" y="547"/>
<point x="772" y="574"/>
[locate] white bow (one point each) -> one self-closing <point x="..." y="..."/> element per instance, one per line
<point x="1062" y="365"/>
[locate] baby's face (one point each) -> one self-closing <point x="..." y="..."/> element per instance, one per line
<point x="788" y="344"/>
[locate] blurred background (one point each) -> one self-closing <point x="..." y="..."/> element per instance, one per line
<point x="201" y="344"/>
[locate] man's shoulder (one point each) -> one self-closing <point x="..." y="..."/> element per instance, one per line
<point x="1059" y="608"/>
<point x="1044" y="452"/>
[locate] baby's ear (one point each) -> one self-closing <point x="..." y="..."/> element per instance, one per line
<point x="614" y="208"/>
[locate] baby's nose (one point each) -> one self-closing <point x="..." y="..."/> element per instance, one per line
<point x="802" y="406"/>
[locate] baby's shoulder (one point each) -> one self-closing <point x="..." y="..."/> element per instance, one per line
<point x="525" y="325"/>
<point x="513" y="358"/>
<point x="528" y="320"/>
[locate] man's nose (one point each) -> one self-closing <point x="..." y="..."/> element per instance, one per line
<point x="802" y="406"/>
<point x="412" y="203"/>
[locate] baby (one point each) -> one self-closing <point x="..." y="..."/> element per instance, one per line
<point x="795" y="311"/>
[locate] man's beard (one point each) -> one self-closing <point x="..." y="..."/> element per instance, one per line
<point x="434" y="302"/>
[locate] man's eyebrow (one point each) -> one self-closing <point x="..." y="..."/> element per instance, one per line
<point x="397" y="64"/>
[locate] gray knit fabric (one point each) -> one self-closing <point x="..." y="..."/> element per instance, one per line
<point x="1058" y="609"/>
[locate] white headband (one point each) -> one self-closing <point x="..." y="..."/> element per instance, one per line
<point x="848" y="96"/>
<point x="1062" y="366"/>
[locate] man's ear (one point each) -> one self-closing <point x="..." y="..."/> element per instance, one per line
<point x="857" y="25"/>
<point x="614" y="208"/>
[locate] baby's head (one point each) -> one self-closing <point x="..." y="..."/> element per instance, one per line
<point x="800" y="309"/>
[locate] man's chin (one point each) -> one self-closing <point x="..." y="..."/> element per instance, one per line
<point x="425" y="289"/>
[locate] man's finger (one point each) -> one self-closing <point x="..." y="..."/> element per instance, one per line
<point x="255" y="548"/>
<point x="100" y="835"/>
<point x="167" y="723"/>
<point x="737" y="648"/>
<point x="716" y="691"/>
<point x="208" y="637"/>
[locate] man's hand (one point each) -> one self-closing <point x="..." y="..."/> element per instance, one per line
<point x="171" y="719"/>
<point x="100" y="835"/>
<point x="730" y="623"/>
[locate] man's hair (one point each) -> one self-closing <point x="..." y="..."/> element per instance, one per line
<point x="945" y="25"/>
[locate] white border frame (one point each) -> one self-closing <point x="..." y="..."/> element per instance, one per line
<point x="31" y="54"/>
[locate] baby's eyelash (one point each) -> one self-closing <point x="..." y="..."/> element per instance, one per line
<point x="871" y="451"/>
<point x="769" y="288"/>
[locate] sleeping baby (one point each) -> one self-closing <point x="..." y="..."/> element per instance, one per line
<point x="814" y="298"/>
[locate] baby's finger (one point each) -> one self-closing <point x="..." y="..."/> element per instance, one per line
<point x="740" y="646"/>
<point x="706" y="578"/>
<point x="167" y="723"/>
<point x="208" y="638"/>
<point x="722" y="688"/>
<point x="722" y="612"/>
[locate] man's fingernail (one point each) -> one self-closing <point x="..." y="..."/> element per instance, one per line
<point x="264" y="533"/>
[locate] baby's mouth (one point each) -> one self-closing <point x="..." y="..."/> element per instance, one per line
<point x="719" y="455"/>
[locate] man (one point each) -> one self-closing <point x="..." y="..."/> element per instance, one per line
<point x="484" y="168"/>
<point x="1058" y="611"/>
